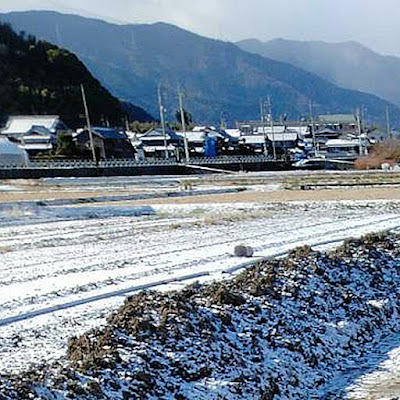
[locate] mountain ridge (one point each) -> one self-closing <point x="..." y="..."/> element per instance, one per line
<point x="218" y="77"/>
<point x="346" y="64"/>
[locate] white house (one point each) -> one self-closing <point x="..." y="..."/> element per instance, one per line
<point x="18" y="126"/>
<point x="35" y="133"/>
<point x="343" y="149"/>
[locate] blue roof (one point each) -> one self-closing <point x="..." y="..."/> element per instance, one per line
<point x="108" y="133"/>
<point x="39" y="129"/>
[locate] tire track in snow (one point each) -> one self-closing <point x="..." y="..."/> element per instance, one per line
<point x="132" y="260"/>
<point x="179" y="247"/>
<point x="127" y="261"/>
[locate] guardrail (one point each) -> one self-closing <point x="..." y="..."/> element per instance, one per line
<point x="231" y="159"/>
<point x="71" y="164"/>
<point x="129" y="163"/>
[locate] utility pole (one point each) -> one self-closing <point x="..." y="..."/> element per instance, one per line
<point x="183" y="124"/>
<point x="161" y="109"/>
<point x="222" y="125"/>
<point x="388" y="128"/>
<point x="88" y="123"/>
<point x="262" y="115"/>
<point x="313" y="128"/>
<point x="261" y="111"/>
<point x="125" y="119"/>
<point x="300" y="124"/>
<point x="360" y="130"/>
<point x="271" y="120"/>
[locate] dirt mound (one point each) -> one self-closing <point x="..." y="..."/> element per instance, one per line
<point x="97" y="348"/>
<point x="280" y="329"/>
<point x="258" y="280"/>
<point x="368" y="243"/>
<point x="222" y="294"/>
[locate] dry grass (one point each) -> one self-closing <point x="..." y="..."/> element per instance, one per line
<point x="385" y="152"/>
<point x="220" y="218"/>
<point x="281" y="196"/>
<point x="234" y="216"/>
<point x="179" y="225"/>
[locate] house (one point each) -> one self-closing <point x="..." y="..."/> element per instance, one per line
<point x="252" y="144"/>
<point x="269" y="129"/>
<point x="201" y="142"/>
<point x="343" y="149"/>
<point x="260" y="127"/>
<point x="38" y="140"/>
<point x="327" y="133"/>
<point x="283" y="142"/>
<point x="19" y="126"/>
<point x="35" y="133"/>
<point x="155" y="144"/>
<point x="109" y="143"/>
<point x="345" y="123"/>
<point x="196" y="140"/>
<point x="322" y="135"/>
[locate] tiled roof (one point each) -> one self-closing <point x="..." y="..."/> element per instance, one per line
<point x="108" y="133"/>
<point x="22" y="124"/>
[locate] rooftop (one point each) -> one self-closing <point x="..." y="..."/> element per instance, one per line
<point x="108" y="133"/>
<point x="342" y="143"/>
<point x="337" y="118"/>
<point x="23" y="123"/>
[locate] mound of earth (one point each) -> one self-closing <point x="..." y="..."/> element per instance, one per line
<point x="283" y="329"/>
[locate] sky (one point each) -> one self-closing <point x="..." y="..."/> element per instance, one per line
<point x="375" y="24"/>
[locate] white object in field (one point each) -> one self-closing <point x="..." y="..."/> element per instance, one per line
<point x="244" y="251"/>
<point x="386" y="166"/>
<point x="185" y="186"/>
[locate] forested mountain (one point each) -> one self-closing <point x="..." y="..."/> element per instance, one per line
<point x="347" y="64"/>
<point x="37" y="77"/>
<point x="216" y="77"/>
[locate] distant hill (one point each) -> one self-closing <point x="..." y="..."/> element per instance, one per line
<point x="39" y="78"/>
<point x="217" y="77"/>
<point x="347" y="64"/>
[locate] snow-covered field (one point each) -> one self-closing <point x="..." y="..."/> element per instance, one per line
<point x="80" y="258"/>
<point x="64" y="269"/>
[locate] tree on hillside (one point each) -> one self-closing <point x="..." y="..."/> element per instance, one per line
<point x="37" y="77"/>
<point x="186" y="115"/>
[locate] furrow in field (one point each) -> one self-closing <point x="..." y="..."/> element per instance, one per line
<point x="213" y="257"/>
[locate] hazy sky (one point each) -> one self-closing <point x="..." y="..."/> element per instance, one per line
<point x="375" y="24"/>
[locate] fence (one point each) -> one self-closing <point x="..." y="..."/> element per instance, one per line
<point x="129" y="163"/>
